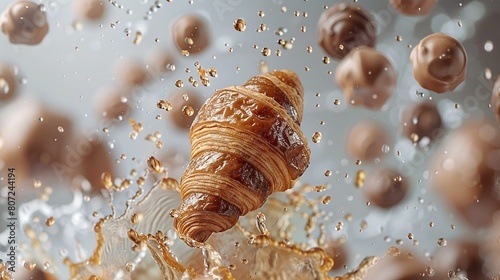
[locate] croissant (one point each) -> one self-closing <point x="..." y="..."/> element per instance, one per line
<point x="246" y="144"/>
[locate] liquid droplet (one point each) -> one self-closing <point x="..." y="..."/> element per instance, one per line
<point x="316" y="137"/>
<point x="442" y="242"/>
<point x="50" y="221"/>
<point x="488" y="46"/>
<point x="266" y="52"/>
<point x="4" y="86"/>
<point x="359" y="180"/>
<point x="393" y="251"/>
<point x="260" y="222"/>
<point x="188" y="111"/>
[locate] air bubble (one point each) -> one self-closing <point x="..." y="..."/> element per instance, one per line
<point x="488" y="46"/>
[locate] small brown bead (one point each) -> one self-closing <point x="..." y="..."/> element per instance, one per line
<point x="439" y="63"/>
<point x="421" y="120"/>
<point x="24" y="23"/>
<point x="366" y="77"/>
<point x="385" y="187"/>
<point x="365" y="141"/>
<point x="344" y="27"/>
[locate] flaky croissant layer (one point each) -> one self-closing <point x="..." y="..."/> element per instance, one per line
<point x="246" y="144"/>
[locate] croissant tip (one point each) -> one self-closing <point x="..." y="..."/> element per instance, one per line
<point x="201" y="236"/>
<point x="198" y="235"/>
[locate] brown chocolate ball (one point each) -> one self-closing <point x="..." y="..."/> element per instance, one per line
<point x="495" y="99"/>
<point x="8" y="82"/>
<point x="466" y="171"/>
<point x="344" y="27"/>
<point x="95" y="162"/>
<point x="365" y="141"/>
<point x="336" y="249"/>
<point x="183" y="112"/>
<point x="159" y="61"/>
<point x="385" y="187"/>
<point x="491" y="251"/>
<point x="439" y="63"/>
<point x="190" y="33"/>
<point x="131" y="73"/>
<point x="35" y="274"/>
<point x="402" y="266"/>
<point x="414" y="7"/>
<point x="90" y="9"/>
<point x="366" y="77"/>
<point x="421" y="120"/>
<point x="110" y="103"/>
<point x="24" y="23"/>
<point x="32" y="136"/>
<point x="459" y="256"/>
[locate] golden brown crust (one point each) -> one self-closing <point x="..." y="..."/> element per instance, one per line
<point x="246" y="144"/>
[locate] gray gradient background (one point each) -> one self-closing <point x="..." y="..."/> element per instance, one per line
<point x="69" y="79"/>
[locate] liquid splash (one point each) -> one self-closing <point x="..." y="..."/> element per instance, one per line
<point x="236" y="254"/>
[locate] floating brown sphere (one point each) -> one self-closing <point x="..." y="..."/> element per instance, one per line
<point x="366" y="77"/>
<point x="24" y="23"/>
<point x="32" y="136"/>
<point x="246" y="145"/>
<point x="8" y="82"/>
<point x="459" y="256"/>
<point x="184" y="111"/>
<point x="130" y="73"/>
<point x="439" y="63"/>
<point x="491" y="251"/>
<point x="337" y="250"/>
<point x="95" y="162"/>
<point x="112" y="103"/>
<point x="365" y="141"/>
<point x="467" y="171"/>
<point x="495" y="99"/>
<point x="385" y="187"/>
<point x="421" y="120"/>
<point x="401" y="266"/>
<point x="35" y="274"/>
<point x="90" y="9"/>
<point x="414" y="7"/>
<point x="191" y="34"/>
<point x="344" y="27"/>
<point x="160" y="62"/>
